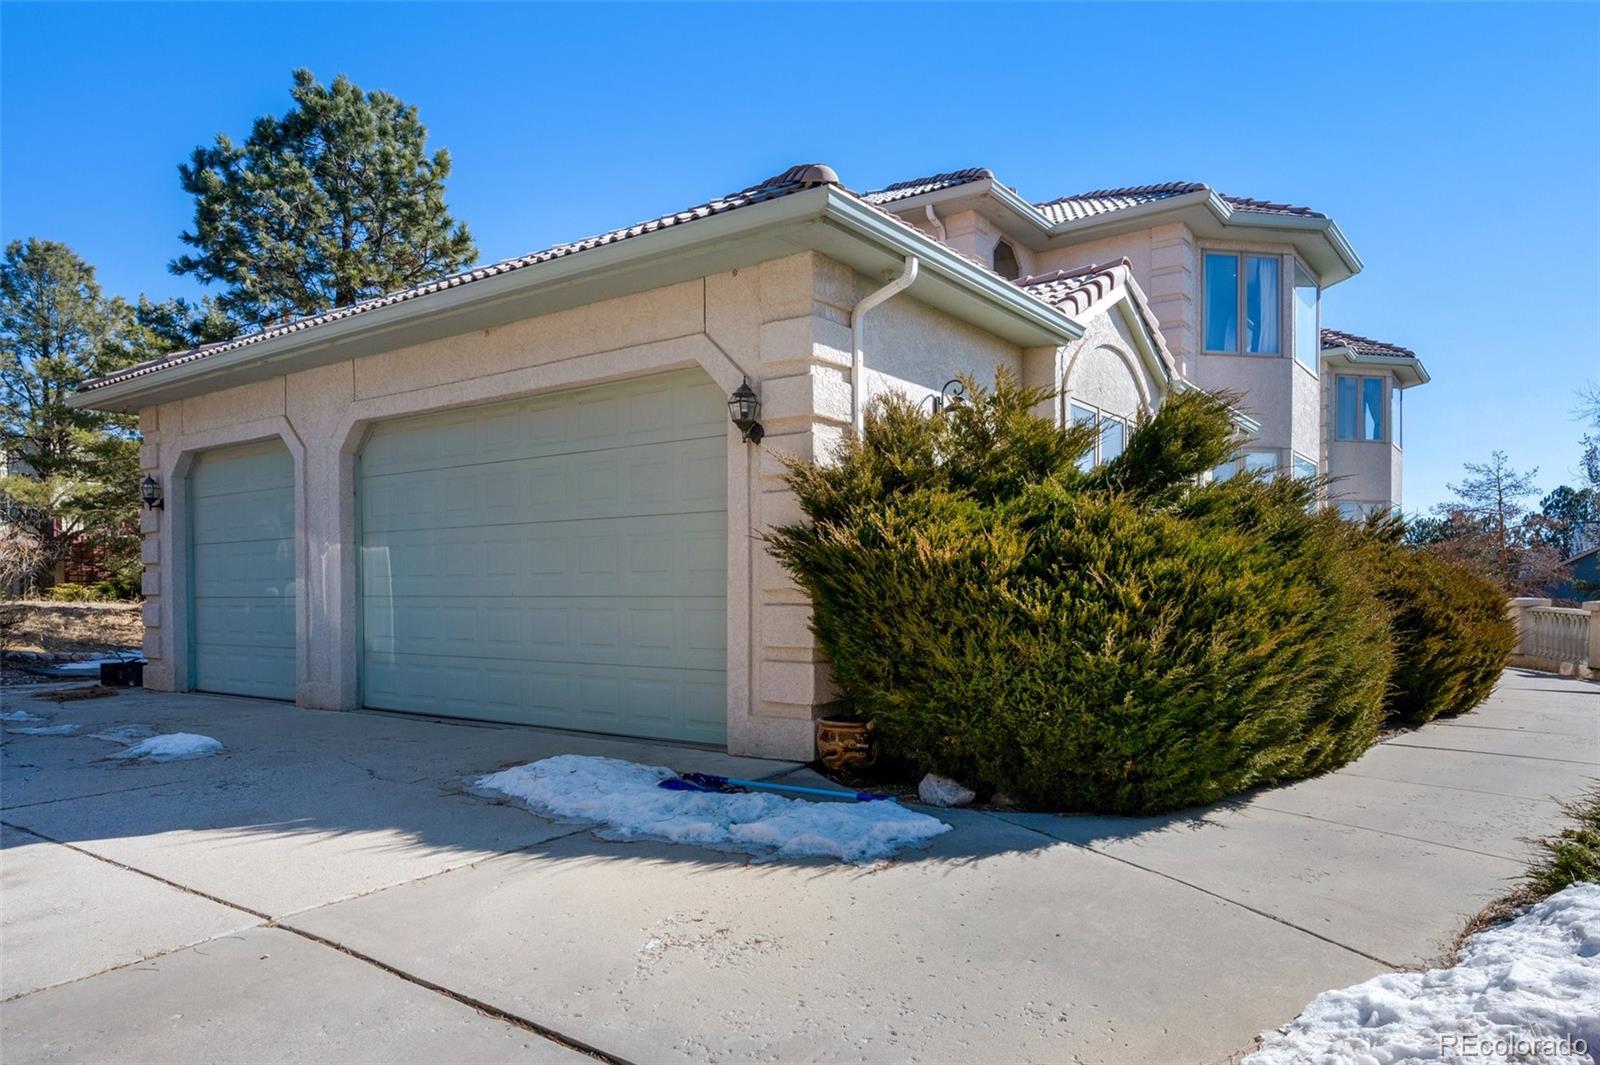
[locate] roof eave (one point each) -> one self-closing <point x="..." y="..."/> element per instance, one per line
<point x="742" y="237"/>
<point x="1408" y="370"/>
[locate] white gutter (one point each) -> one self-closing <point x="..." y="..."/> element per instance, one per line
<point x="858" y="320"/>
<point x="934" y="219"/>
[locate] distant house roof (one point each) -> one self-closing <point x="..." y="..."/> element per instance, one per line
<point x="1334" y="338"/>
<point x="795" y="179"/>
<point x="1107" y="201"/>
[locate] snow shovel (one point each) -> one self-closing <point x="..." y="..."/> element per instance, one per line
<point x="713" y="783"/>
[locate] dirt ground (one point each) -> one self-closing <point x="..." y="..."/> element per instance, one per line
<point x="35" y="626"/>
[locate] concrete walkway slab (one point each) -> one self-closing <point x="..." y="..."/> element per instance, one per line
<point x="261" y="995"/>
<point x="1035" y="952"/>
<point x="66" y="916"/>
<point x="1393" y="899"/>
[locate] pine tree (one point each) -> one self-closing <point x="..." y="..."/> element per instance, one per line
<point x="71" y="475"/>
<point x="335" y="202"/>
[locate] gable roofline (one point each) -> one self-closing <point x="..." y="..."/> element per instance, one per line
<point x="1092" y="290"/>
<point x="802" y="209"/>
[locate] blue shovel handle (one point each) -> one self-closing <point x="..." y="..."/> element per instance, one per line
<point x="712" y="782"/>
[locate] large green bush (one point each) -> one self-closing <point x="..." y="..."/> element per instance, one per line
<point x="1451" y="634"/>
<point x="1121" y="640"/>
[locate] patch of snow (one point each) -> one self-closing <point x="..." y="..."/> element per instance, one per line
<point x="1524" y="991"/>
<point x="123" y="733"/>
<point x="88" y="666"/>
<point x="624" y="798"/>
<point x="172" y="747"/>
<point x="19" y="715"/>
<point x="45" y="730"/>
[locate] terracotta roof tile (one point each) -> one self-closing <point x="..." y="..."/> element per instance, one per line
<point x="1334" y="338"/>
<point x="795" y="179"/>
<point x="1106" y="201"/>
<point x="901" y="190"/>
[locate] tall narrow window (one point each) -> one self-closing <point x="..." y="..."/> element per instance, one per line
<point x="1261" y="304"/>
<point x="1346" y="408"/>
<point x="1397" y="425"/>
<point x="1005" y="261"/>
<point x="1222" y="302"/>
<point x="1372" y="408"/>
<point x="1081" y="415"/>
<point x="1307" y="346"/>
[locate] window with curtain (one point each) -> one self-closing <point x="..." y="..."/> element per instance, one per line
<point x="1261" y="304"/>
<point x="1358" y="408"/>
<point x="1005" y="261"/>
<point x="1372" y="408"/>
<point x="1307" y="339"/>
<point x="1242" y="289"/>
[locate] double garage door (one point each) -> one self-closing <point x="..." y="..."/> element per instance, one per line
<point x="559" y="561"/>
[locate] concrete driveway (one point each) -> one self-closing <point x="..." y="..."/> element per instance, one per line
<point x="326" y="890"/>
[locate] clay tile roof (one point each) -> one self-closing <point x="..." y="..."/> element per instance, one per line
<point x="1107" y="201"/>
<point x="1334" y="338"/>
<point x="795" y="179"/>
<point x="901" y="190"/>
<point x="1075" y="289"/>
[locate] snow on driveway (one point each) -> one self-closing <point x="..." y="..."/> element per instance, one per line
<point x="1517" y="992"/>
<point x="172" y="747"/>
<point x="45" y="730"/>
<point x="624" y="798"/>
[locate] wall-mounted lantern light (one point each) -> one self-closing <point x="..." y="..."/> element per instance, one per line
<point x="744" y="407"/>
<point x="952" y="392"/>
<point x="150" y="492"/>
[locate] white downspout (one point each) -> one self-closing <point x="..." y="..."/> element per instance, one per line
<point x="858" y="318"/>
<point x="937" y="225"/>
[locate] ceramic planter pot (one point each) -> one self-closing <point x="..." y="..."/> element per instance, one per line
<point x="845" y="745"/>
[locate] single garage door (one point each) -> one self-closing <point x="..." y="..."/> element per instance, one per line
<point x="241" y="505"/>
<point x="558" y="561"/>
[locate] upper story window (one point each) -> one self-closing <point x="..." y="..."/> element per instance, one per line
<point x="1397" y="422"/>
<point x="1242" y="303"/>
<point x="1256" y="460"/>
<point x="1358" y="408"/>
<point x="1307" y="337"/>
<point x="1113" y="436"/>
<point x="1005" y="261"/>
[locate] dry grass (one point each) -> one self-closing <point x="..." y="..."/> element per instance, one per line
<point x="1570" y="856"/>
<point x="38" y="625"/>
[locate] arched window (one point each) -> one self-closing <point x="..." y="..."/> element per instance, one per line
<point x="1005" y="261"/>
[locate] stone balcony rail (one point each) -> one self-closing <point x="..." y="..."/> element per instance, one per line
<point x="1554" y="638"/>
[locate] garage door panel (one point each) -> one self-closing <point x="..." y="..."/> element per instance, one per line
<point x="638" y="701"/>
<point x="559" y="561"/>
<point x="620" y="483"/>
<point x="679" y="406"/>
<point x="657" y="556"/>
<point x="242" y="566"/>
<point x="663" y="632"/>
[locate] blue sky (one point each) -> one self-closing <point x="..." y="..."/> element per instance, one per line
<point x="1458" y="146"/>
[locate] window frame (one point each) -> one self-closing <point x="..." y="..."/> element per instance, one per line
<point x="1241" y="331"/>
<point x="1015" y="258"/>
<point x="1385" y="429"/>
<point x="1097" y="418"/>
<point x="1313" y="361"/>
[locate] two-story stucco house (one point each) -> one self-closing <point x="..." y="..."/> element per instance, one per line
<point x="535" y="492"/>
